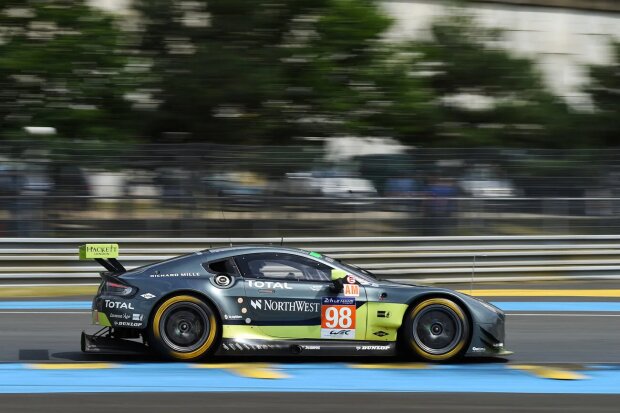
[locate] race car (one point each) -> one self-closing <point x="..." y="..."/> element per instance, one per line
<point x="267" y="300"/>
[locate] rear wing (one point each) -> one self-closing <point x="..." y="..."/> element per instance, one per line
<point x="104" y="254"/>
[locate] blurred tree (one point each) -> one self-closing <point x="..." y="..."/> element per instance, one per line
<point x="485" y="95"/>
<point x="257" y="71"/>
<point x="61" y="67"/>
<point x="342" y="77"/>
<point x="604" y="90"/>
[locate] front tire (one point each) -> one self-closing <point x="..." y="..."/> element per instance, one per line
<point x="437" y="329"/>
<point x="183" y="328"/>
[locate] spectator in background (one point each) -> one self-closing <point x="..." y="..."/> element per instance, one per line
<point x="440" y="206"/>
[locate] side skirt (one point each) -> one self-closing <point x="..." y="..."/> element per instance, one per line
<point x="233" y="347"/>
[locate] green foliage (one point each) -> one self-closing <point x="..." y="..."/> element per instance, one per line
<point x="61" y="66"/>
<point x="604" y="90"/>
<point x="265" y="72"/>
<point x="485" y="95"/>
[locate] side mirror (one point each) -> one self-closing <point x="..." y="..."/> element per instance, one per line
<point x="338" y="277"/>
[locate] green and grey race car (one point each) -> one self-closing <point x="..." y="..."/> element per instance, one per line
<point x="251" y="300"/>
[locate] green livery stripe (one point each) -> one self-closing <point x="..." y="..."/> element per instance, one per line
<point x="384" y="320"/>
<point x="103" y="320"/>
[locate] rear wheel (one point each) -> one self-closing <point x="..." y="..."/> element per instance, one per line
<point x="437" y="329"/>
<point x="183" y="328"/>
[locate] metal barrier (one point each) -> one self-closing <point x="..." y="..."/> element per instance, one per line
<point x="423" y="259"/>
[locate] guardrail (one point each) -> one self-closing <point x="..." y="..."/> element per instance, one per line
<point x="424" y="259"/>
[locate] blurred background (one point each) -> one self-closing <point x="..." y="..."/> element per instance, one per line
<point x="252" y="118"/>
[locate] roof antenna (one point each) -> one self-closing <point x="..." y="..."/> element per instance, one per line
<point x="281" y="241"/>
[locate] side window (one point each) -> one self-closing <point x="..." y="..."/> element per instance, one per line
<point x="226" y="266"/>
<point x="281" y="266"/>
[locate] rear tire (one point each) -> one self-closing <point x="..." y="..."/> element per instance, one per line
<point x="436" y="329"/>
<point x="183" y="327"/>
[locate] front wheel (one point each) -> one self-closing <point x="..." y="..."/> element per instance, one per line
<point x="183" y="328"/>
<point x="436" y="329"/>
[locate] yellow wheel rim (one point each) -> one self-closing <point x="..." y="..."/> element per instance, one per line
<point x="457" y="311"/>
<point x="212" y="327"/>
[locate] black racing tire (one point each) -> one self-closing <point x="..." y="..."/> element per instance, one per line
<point x="436" y="329"/>
<point x="183" y="327"/>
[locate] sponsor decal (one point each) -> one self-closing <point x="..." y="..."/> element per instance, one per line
<point x="121" y="316"/>
<point x="351" y="290"/>
<point x="232" y="317"/>
<point x="383" y="314"/>
<point x="350" y="279"/>
<point x="287" y="306"/>
<point x="380" y="333"/>
<point x="477" y="349"/>
<point x="338" y="318"/>
<point x="372" y="348"/>
<point x="269" y="284"/>
<point x="311" y="347"/>
<point x="127" y="324"/>
<point x="175" y="274"/>
<point x="137" y="317"/>
<point x="338" y="301"/>
<point x="338" y="333"/>
<point x="90" y="251"/>
<point x="118" y="304"/>
<point x="147" y="296"/>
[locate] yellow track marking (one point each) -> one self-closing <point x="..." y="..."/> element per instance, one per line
<point x="542" y="293"/>
<point x="47" y="291"/>
<point x="249" y="370"/>
<point x="392" y="366"/>
<point x="70" y="366"/>
<point x="544" y="372"/>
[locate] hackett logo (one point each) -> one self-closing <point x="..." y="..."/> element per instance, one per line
<point x="117" y="304"/>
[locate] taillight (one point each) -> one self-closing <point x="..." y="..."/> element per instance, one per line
<point x="118" y="289"/>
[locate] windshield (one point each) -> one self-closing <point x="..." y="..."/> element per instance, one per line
<point x="356" y="269"/>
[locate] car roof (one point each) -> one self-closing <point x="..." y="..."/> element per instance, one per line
<point x="248" y="249"/>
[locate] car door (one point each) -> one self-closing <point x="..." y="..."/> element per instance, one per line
<point x="292" y="296"/>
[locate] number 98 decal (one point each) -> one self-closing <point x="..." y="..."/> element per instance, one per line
<point x="338" y="318"/>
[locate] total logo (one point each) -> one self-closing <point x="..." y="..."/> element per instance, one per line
<point x="118" y="305"/>
<point x="269" y="284"/>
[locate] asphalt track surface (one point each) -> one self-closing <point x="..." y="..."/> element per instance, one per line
<point x="576" y="340"/>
